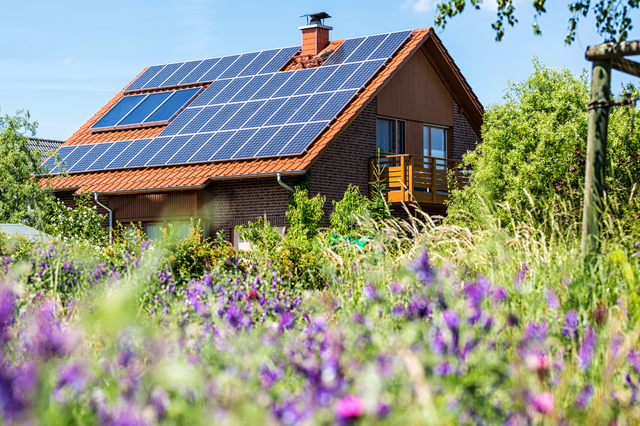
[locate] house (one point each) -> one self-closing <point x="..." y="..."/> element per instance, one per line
<point x="223" y="139"/>
<point x="43" y="146"/>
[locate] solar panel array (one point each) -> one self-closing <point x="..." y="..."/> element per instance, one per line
<point x="147" y="109"/>
<point x="250" y="110"/>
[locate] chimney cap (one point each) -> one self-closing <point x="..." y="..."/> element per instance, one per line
<point x="316" y="18"/>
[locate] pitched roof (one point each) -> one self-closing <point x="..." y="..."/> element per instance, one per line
<point x="43" y="145"/>
<point x="198" y="175"/>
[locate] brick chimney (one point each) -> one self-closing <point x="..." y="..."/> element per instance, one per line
<point x="315" y="35"/>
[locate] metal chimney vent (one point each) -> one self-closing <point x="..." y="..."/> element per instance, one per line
<point x="316" y="18"/>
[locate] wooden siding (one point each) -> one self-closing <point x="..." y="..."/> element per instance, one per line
<point x="417" y="93"/>
<point x="154" y="206"/>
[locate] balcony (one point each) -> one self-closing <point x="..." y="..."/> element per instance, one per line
<point x="408" y="178"/>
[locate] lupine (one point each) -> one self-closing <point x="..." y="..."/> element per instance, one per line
<point x="570" y="328"/>
<point x="422" y="267"/>
<point x="587" y="349"/>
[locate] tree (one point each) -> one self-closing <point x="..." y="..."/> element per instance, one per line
<point x="612" y="16"/>
<point x="22" y="199"/>
<point x="534" y="144"/>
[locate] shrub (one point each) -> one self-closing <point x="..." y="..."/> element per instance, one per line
<point x="349" y="211"/>
<point x="82" y="223"/>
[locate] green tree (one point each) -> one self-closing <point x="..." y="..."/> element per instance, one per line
<point x="22" y="198"/>
<point x="534" y="144"/>
<point x="612" y="16"/>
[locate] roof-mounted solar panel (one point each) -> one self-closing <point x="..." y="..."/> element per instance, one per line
<point x="279" y="59"/>
<point x="195" y="75"/>
<point x="139" y="82"/>
<point x="239" y="65"/>
<point x="181" y="73"/>
<point x="153" y="109"/>
<point x="343" y="52"/>
<point x="164" y="74"/>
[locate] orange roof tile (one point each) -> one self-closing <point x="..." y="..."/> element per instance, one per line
<point x="195" y="175"/>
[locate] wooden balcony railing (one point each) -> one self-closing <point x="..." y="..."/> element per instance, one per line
<point x="417" y="178"/>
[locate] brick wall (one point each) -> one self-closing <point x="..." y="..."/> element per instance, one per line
<point x="347" y="160"/>
<point x="236" y="202"/>
<point x="69" y="200"/>
<point x="463" y="137"/>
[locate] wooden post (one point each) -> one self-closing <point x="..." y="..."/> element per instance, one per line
<point x="411" y="177"/>
<point x="403" y="180"/>
<point x="594" y="180"/>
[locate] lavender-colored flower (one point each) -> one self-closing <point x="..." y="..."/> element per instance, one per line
<point x="534" y="333"/>
<point x="552" y="300"/>
<point x="383" y="409"/>
<point x="474" y="294"/>
<point x="287" y="320"/>
<point x="46" y="337"/>
<point x="396" y="288"/>
<point x="634" y="360"/>
<point x="398" y="310"/>
<point x="422" y="267"/>
<point x="437" y="345"/>
<point x="73" y="376"/>
<point x="160" y="401"/>
<point x="584" y="397"/>
<point x="419" y="308"/>
<point x="7" y="310"/>
<point x="483" y="283"/>
<point x="498" y="294"/>
<point x="521" y="275"/>
<point x="369" y="292"/>
<point x="287" y="413"/>
<point x="443" y="369"/>
<point x="587" y="349"/>
<point x="544" y="403"/>
<point x="570" y="328"/>
<point x="451" y="319"/>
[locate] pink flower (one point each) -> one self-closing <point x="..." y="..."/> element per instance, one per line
<point x="544" y="403"/>
<point x="351" y="406"/>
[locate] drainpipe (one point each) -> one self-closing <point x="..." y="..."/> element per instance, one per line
<point x="95" y="197"/>
<point x="284" y="184"/>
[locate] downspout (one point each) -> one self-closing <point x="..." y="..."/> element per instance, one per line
<point x="95" y="197"/>
<point x="284" y="184"/>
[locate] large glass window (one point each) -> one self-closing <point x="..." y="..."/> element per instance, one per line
<point x="390" y="135"/>
<point x="435" y="141"/>
<point x="153" y="231"/>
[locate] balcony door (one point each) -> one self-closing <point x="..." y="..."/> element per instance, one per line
<point x="390" y="136"/>
<point x="436" y="141"/>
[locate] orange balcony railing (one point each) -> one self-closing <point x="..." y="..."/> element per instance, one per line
<point x="411" y="178"/>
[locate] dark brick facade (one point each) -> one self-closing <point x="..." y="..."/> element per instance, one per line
<point x="347" y="160"/>
<point x="463" y="137"/>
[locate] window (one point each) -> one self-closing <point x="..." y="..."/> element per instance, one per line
<point x="153" y="231"/>
<point x="181" y="229"/>
<point x="435" y="141"/>
<point x="390" y="136"/>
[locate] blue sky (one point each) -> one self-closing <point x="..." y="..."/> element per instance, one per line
<point x="63" y="60"/>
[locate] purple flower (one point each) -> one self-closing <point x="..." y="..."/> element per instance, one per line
<point x="484" y="284"/>
<point x="474" y="294"/>
<point x="287" y="413"/>
<point x="160" y="401"/>
<point x="498" y="294"/>
<point x="369" y="292"/>
<point x="634" y="360"/>
<point x="552" y="300"/>
<point x="585" y="353"/>
<point x="287" y="320"/>
<point x="521" y="275"/>
<point x="47" y="339"/>
<point x="421" y="266"/>
<point x="7" y="310"/>
<point x="436" y="342"/>
<point x="584" y="397"/>
<point x="383" y="409"/>
<point x="534" y="333"/>
<point x="570" y="328"/>
<point x="419" y="308"/>
<point x="443" y="369"/>
<point x="396" y="288"/>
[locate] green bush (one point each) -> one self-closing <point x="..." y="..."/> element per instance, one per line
<point x="82" y="223"/>
<point x="348" y="212"/>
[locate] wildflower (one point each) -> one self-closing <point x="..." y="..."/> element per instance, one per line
<point x="422" y="268"/>
<point x="570" y="328"/>
<point x="544" y="403"/>
<point x="419" y="308"/>
<point x="634" y="360"/>
<point x="383" y="409"/>
<point x="7" y="310"/>
<point x="451" y="319"/>
<point x="369" y="292"/>
<point x="521" y="275"/>
<point x="443" y="369"/>
<point x="498" y="294"/>
<point x="585" y="353"/>
<point x="534" y="333"/>
<point x="552" y="300"/>
<point x="350" y="407"/>
<point x="396" y="288"/>
<point x="584" y="397"/>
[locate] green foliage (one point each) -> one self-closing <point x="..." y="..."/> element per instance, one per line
<point x="305" y="216"/>
<point x="349" y="211"/>
<point x="82" y="223"/>
<point x="22" y="199"/>
<point x="532" y="154"/>
<point x="263" y="237"/>
<point x="612" y="16"/>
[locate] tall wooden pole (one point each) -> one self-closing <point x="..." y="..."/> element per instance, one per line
<point x="596" y="158"/>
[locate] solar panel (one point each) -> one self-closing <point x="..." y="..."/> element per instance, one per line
<point x="243" y="115"/>
<point x="210" y="148"/>
<point x="139" y="82"/>
<point x="221" y="118"/>
<point x="62" y="152"/>
<point x="195" y="75"/>
<point x="145" y="154"/>
<point x="258" y="140"/>
<point x="118" y="111"/>
<point x="96" y="151"/>
<point x="171" y="106"/>
<point x="179" y="75"/>
<point x="280" y="139"/>
<point x="239" y="65"/>
<point x="181" y="120"/>
<point x="279" y="60"/>
<point x="164" y="154"/>
<point x="367" y="47"/>
<point x="249" y="110"/>
<point x="200" y="120"/>
<point x="145" y="108"/>
<point x="390" y="45"/>
<point x="303" y="139"/>
<point x="129" y="152"/>
<point x="362" y="75"/>
<point x="165" y="73"/>
<point x="109" y="154"/>
<point x="289" y="108"/>
<point x="259" y="62"/>
<point x="220" y="67"/>
<point x="233" y="144"/>
<point x="195" y="143"/>
<point x="344" y="51"/>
